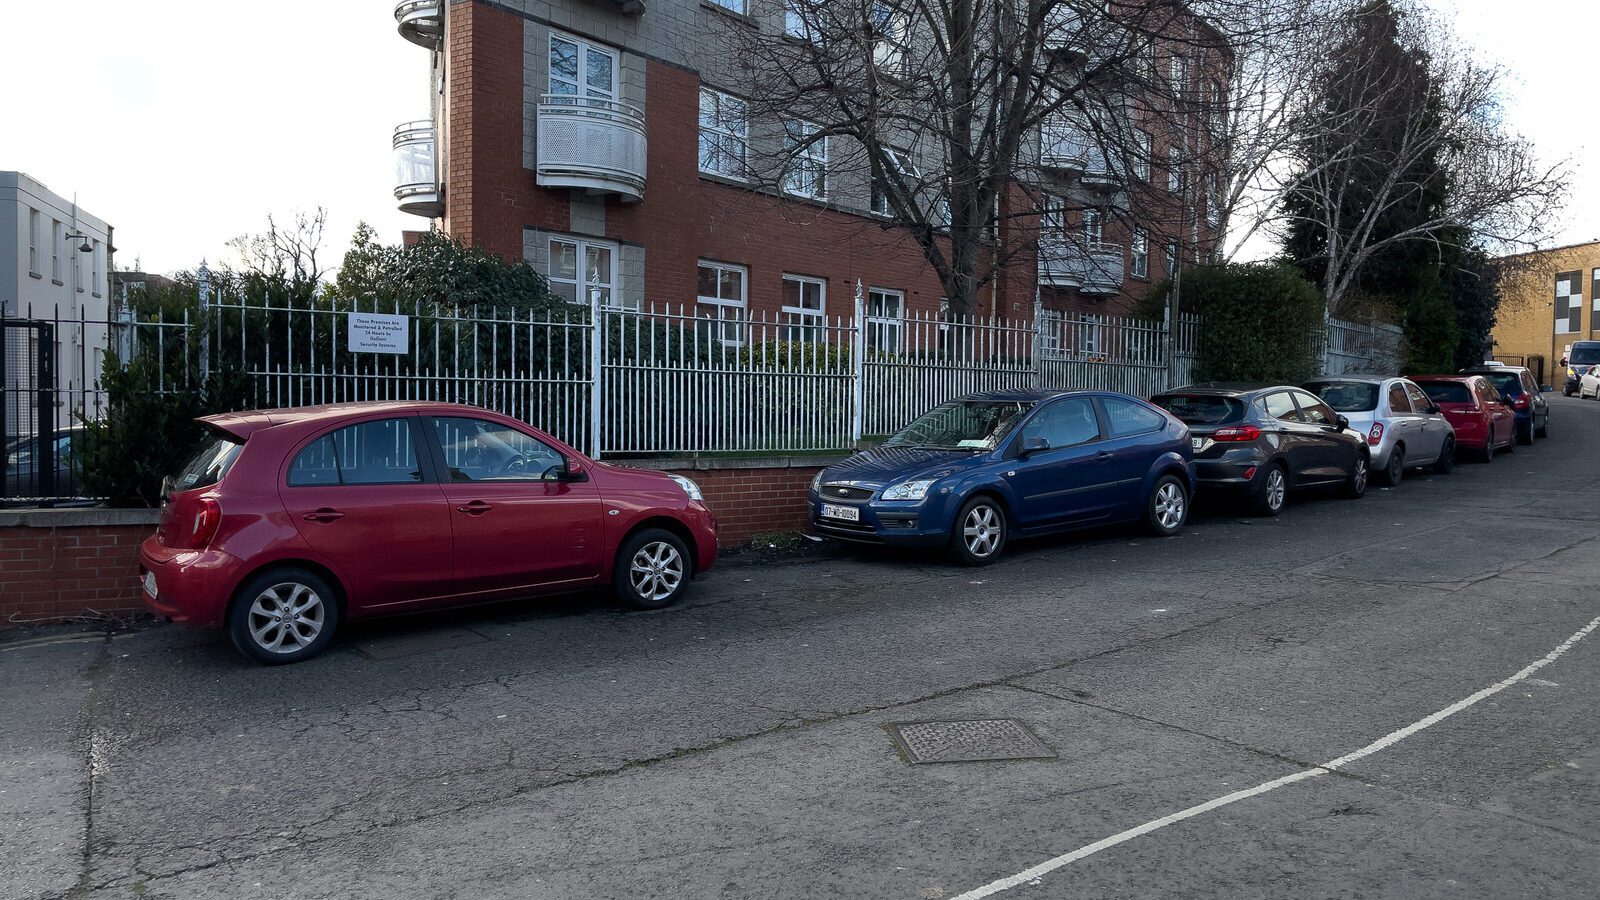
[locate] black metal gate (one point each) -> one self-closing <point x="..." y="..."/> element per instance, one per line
<point x="29" y="467"/>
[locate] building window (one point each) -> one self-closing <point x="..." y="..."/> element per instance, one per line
<point x="583" y="271"/>
<point x="1178" y="74"/>
<point x="55" y="251"/>
<point x="891" y="51"/>
<point x="581" y="69"/>
<point x="1094" y="229"/>
<point x="1139" y="253"/>
<point x="737" y="6"/>
<point x="804" y="305"/>
<point x="1172" y="258"/>
<point x="33" y="242"/>
<point x="799" y="19"/>
<point x="1594" y="296"/>
<point x="1569" y="302"/>
<point x="885" y="319"/>
<point x="1089" y="335"/>
<point x="1052" y="218"/>
<point x="94" y="271"/>
<point x="721" y="301"/>
<point x="724" y="133"/>
<point x="77" y="266"/>
<point x="1219" y="108"/>
<point x="807" y="152"/>
<point x="896" y="161"/>
<point x="1142" y="149"/>
<point x="1174" y="169"/>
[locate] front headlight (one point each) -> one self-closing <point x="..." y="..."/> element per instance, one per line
<point x="689" y="487"/>
<point x="908" y="490"/>
<point x="816" y="483"/>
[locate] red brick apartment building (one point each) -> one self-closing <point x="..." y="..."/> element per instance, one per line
<point x="615" y="189"/>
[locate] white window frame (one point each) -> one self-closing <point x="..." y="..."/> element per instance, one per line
<point x="33" y="242"/>
<point x="581" y="284"/>
<point x="802" y="323"/>
<point x="1094" y="227"/>
<point x="885" y="330"/>
<point x="728" y="329"/>
<point x="891" y="45"/>
<point x="1052" y="218"/>
<point x="55" y="251"/>
<point x="808" y="163"/>
<point x="729" y="135"/>
<point x="1178" y="74"/>
<point x="580" y="86"/>
<point x="1139" y="253"/>
<point x="1594" y="294"/>
<point x="1574" y="302"/>
<point x="1174" y="169"/>
<point x="1089" y="335"/>
<point x="94" y="270"/>
<point x="1173" y="258"/>
<point x="735" y="6"/>
<point x="77" y="267"/>
<point x="905" y="165"/>
<point x="1144" y="147"/>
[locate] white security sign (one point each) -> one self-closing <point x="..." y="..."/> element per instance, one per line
<point x="379" y="333"/>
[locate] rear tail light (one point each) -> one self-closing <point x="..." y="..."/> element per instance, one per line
<point x="1520" y="402"/>
<point x="207" y="516"/>
<point x="1375" y="437"/>
<point x="1236" y="434"/>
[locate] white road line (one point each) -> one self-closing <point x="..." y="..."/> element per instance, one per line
<point x="1032" y="875"/>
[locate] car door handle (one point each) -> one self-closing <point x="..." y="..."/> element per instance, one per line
<point x="323" y="515"/>
<point x="475" y="508"/>
<point x="1103" y="454"/>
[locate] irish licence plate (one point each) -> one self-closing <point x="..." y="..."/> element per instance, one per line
<point x="1196" y="443"/>
<point x="846" y="513"/>
<point x="150" y="584"/>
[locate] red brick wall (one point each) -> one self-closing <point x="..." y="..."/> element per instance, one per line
<point x="51" y="573"/>
<point x="749" y="502"/>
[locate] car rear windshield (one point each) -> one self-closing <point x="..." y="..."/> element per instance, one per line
<point x="213" y="460"/>
<point x="1506" y="382"/>
<point x="1201" y="409"/>
<point x="1347" y="396"/>
<point x="962" y="425"/>
<point x="1446" y="391"/>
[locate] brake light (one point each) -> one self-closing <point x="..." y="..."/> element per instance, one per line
<point x="1375" y="437"/>
<point x="207" y="516"/>
<point x="1521" y="402"/>
<point x="1236" y="434"/>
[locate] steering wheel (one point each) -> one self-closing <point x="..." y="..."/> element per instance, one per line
<point x="515" y="464"/>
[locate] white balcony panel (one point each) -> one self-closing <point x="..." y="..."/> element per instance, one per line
<point x="420" y="21"/>
<point x="1063" y="31"/>
<point x="1064" y="144"/>
<point x="595" y="145"/>
<point x="416" y="185"/>
<point x="1090" y="268"/>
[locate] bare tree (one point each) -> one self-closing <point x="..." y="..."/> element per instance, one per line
<point x="288" y="254"/>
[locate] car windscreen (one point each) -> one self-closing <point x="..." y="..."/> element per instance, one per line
<point x="1201" y="409"/>
<point x="1346" y="396"/>
<point x="1446" y="391"/>
<point x="215" y="457"/>
<point x="962" y="425"/>
<point x="1505" y="382"/>
<point x="1585" y="354"/>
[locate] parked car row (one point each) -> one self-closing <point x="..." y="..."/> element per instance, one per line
<point x="976" y="472"/>
<point x="288" y="522"/>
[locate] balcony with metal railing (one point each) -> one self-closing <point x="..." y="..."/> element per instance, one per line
<point x="421" y="21"/>
<point x="1063" y="32"/>
<point x="416" y="184"/>
<point x="591" y="144"/>
<point x="1064" y="144"/>
<point x="1090" y="267"/>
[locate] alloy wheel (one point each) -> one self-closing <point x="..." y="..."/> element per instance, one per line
<point x="286" y="617"/>
<point x="981" y="530"/>
<point x="1170" y="505"/>
<point x="1277" y="489"/>
<point x="1358" y="478"/>
<point x="655" y="571"/>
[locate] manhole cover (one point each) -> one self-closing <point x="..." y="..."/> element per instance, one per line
<point x="970" y="741"/>
<point x="420" y="642"/>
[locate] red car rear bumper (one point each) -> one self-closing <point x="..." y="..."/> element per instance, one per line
<point x="192" y="586"/>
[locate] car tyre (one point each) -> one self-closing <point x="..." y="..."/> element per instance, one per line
<point x="1355" y="486"/>
<point x="1511" y="445"/>
<point x="1396" y="469"/>
<point x="1543" y="431"/>
<point x="980" y="532"/>
<point x="1272" y="494"/>
<point x="283" y="616"/>
<point x="1168" y="507"/>
<point x="1447" y="457"/>
<point x="1525" y="435"/>
<point x="1488" y="448"/>
<point x="652" y="570"/>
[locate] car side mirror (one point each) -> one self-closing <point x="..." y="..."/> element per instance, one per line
<point x="571" y="470"/>
<point x="1433" y="409"/>
<point x="1506" y="399"/>
<point x="1546" y="389"/>
<point x="1341" y="422"/>
<point x="1031" y="445"/>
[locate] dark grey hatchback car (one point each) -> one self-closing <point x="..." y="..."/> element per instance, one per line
<point x="1263" y="441"/>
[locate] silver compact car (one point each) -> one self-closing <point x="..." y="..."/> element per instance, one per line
<point x="1404" y="428"/>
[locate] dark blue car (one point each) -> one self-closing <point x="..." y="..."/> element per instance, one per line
<point x="974" y="472"/>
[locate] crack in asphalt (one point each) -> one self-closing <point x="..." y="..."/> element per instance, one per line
<point x="92" y="768"/>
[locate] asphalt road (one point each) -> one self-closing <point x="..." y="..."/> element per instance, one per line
<point x="738" y="746"/>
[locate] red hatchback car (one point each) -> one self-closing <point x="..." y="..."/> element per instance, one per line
<point x="1482" y="418"/>
<point x="289" y="521"/>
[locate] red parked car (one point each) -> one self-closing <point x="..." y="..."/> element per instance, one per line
<point x="1483" y="419"/>
<point x="289" y="521"/>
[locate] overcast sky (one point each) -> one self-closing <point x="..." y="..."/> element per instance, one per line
<point x="184" y="123"/>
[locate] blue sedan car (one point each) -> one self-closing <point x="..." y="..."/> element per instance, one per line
<point x="974" y="472"/>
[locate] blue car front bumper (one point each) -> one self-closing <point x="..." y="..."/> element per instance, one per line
<point x="903" y="523"/>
